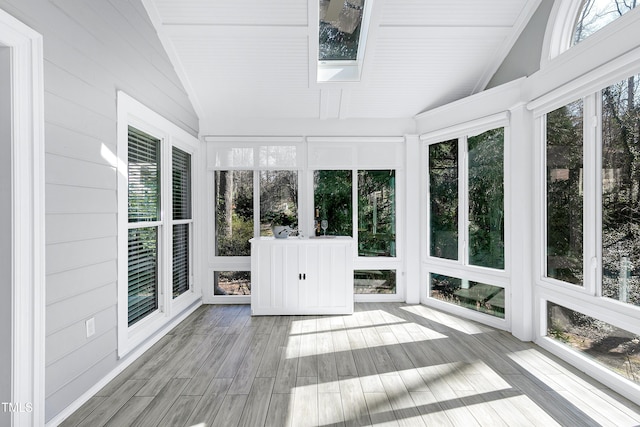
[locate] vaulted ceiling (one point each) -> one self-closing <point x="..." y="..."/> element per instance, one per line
<point x="253" y="59"/>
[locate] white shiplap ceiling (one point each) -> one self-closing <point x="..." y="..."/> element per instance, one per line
<point x="250" y="59"/>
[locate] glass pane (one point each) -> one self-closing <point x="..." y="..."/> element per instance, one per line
<point x="340" y="22"/>
<point x="564" y="158"/>
<point x="596" y="14"/>
<point x="377" y="213"/>
<point x="332" y="194"/>
<point x="143" y="273"/>
<point x="616" y="349"/>
<point x="621" y="191"/>
<point x="181" y="184"/>
<point x="443" y="199"/>
<point x="476" y="296"/>
<point x="143" y="176"/>
<point x="232" y="283"/>
<point x="374" y="281"/>
<point x="486" y="199"/>
<point x="180" y="259"/>
<point x="234" y="212"/>
<point x="278" y="200"/>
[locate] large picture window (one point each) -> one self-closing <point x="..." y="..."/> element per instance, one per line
<point x="486" y="199"/>
<point x="564" y="176"/>
<point x="483" y="223"/>
<point x="621" y="191"/>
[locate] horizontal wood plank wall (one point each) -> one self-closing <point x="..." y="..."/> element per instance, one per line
<point x="92" y="49"/>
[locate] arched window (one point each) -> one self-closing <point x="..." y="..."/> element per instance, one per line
<point x="571" y="22"/>
<point x="595" y="14"/>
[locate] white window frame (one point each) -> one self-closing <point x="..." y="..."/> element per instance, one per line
<point x="255" y="144"/>
<point x="133" y="113"/>
<point x="357" y="149"/>
<point x="585" y="299"/>
<point x="461" y="268"/>
<point x="337" y="73"/>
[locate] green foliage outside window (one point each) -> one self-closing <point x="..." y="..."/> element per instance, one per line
<point x="332" y="195"/>
<point x="564" y="164"/>
<point x="486" y="199"/>
<point x="233" y="212"/>
<point x="621" y="191"/>
<point x="443" y="199"/>
<point x="376" y="213"/>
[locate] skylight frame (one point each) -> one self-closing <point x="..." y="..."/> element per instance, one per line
<point x="336" y="71"/>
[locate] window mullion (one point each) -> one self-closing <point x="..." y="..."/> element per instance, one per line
<point x="590" y="188"/>
<point x="463" y="205"/>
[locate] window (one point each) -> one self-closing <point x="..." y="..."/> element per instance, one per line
<point x="614" y="348"/>
<point x="232" y="283"/>
<point x="486" y="199"/>
<point x="483" y="206"/>
<point x="278" y="198"/>
<point x="469" y="294"/>
<point x="182" y="221"/>
<point x="443" y="202"/>
<point x="342" y="35"/>
<point x="374" y="281"/>
<point x="340" y="24"/>
<point x="596" y="14"/>
<point x="233" y="212"/>
<point x="144" y="222"/>
<point x="564" y="168"/>
<point x="466" y="219"/>
<point x="376" y="213"/>
<point x="621" y="191"/>
<point x="332" y="199"/>
<point x="156" y="266"/>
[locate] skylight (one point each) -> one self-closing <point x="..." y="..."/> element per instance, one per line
<point x="340" y="24"/>
<point x="342" y="32"/>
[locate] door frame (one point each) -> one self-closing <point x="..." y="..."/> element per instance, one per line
<point x="27" y="222"/>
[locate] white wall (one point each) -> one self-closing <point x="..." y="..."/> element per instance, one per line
<point x="524" y="58"/>
<point x="91" y="49"/>
<point x="5" y="231"/>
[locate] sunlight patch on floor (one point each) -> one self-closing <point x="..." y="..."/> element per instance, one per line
<point x="456" y="323"/>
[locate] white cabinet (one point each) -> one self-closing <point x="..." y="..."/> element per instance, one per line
<point x="301" y="276"/>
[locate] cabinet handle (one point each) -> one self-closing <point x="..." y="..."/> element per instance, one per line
<point x="300" y="276"/>
<point x="304" y="276"/>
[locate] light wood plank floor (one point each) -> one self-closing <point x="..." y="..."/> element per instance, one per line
<point x="388" y="364"/>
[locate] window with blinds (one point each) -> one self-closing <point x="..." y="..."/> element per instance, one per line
<point x="182" y="219"/>
<point x="144" y="215"/>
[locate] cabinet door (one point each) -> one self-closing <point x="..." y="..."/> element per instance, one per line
<point x="326" y="288"/>
<point x="276" y="285"/>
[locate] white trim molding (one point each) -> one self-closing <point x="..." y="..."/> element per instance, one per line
<point x="28" y="224"/>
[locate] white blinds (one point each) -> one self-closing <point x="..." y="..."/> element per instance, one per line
<point x="144" y="206"/>
<point x="144" y="176"/>
<point x="181" y="197"/>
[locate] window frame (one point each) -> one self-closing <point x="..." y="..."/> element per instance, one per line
<point x="132" y="113"/>
<point x="462" y="133"/>
<point x="585" y="299"/>
<point x="256" y="164"/>
<point x="313" y="153"/>
<point x="461" y="268"/>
